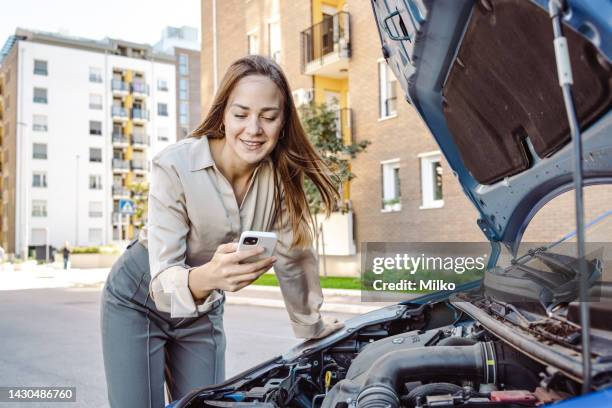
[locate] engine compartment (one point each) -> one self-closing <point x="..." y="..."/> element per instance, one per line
<point x="427" y="355"/>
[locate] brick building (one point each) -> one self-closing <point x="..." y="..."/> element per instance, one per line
<point x="330" y="51"/>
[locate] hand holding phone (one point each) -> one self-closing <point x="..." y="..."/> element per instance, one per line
<point x="252" y="239"/>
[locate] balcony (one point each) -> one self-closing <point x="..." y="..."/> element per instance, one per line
<point x="140" y="88"/>
<point x="119" y="113"/>
<point x="140" y="165"/>
<point x="121" y="166"/>
<point x="140" y="140"/>
<point x="140" y="115"/>
<point x="326" y="47"/>
<point x="120" y="140"/>
<point x="119" y="87"/>
<point x="120" y="192"/>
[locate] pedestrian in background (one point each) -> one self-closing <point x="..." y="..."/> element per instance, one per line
<point x="242" y="169"/>
<point x="66" y="253"/>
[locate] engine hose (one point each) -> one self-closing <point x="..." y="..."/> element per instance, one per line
<point x="392" y="370"/>
<point x="456" y="341"/>
<point x="413" y="396"/>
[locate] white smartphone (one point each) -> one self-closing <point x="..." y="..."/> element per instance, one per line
<point x="250" y="239"/>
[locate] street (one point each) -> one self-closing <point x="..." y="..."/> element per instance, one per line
<point x="51" y="337"/>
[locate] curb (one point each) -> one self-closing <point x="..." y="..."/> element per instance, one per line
<point x="327" y="307"/>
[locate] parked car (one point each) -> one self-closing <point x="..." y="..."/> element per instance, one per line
<point x="482" y="74"/>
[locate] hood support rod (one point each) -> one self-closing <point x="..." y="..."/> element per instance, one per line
<point x="564" y="70"/>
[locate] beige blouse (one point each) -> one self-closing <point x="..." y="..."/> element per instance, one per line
<point x="193" y="210"/>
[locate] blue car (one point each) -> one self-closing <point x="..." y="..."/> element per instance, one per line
<point x="506" y="88"/>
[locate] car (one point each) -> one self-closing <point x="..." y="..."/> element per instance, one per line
<point x="491" y="80"/>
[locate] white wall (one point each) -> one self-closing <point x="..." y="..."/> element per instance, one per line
<point x="68" y="88"/>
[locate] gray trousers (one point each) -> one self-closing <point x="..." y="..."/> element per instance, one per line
<point x="142" y="346"/>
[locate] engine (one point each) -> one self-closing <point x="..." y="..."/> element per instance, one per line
<point x="431" y="356"/>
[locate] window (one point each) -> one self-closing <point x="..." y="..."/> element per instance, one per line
<point x="39" y="179"/>
<point x="252" y="43"/>
<point x="162" y="109"/>
<point x="386" y="91"/>
<point x="391" y="194"/>
<point x="95" y="182"/>
<point x="162" y="134"/>
<point x="95" y="127"/>
<point x="40" y="95"/>
<point x="183" y="64"/>
<point x="39" y="123"/>
<point x="431" y="180"/>
<point x="183" y="89"/>
<point x="40" y="67"/>
<point x="162" y="85"/>
<point x="95" y="154"/>
<point x="39" y="236"/>
<point x="184" y="113"/>
<point x="274" y="40"/>
<point x="95" y="209"/>
<point x="39" y="208"/>
<point x="39" y="151"/>
<point x="95" y="101"/>
<point x="95" y="74"/>
<point x="95" y="236"/>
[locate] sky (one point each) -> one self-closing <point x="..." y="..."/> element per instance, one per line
<point x="140" y="21"/>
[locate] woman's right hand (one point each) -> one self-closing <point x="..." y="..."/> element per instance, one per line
<point x="224" y="271"/>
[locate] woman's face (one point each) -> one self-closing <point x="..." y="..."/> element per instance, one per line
<point x="253" y="118"/>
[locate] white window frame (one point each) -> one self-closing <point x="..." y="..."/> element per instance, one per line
<point x="44" y="72"/>
<point x="184" y="113"/>
<point x="99" y="233"/>
<point x="93" y="158"/>
<point x="163" y="134"/>
<point x="162" y="112"/>
<point x="427" y="180"/>
<point x="162" y="85"/>
<point x="90" y="128"/>
<point x="42" y="100"/>
<point x="39" y="208"/>
<point x="183" y="89"/>
<point x="46" y="151"/>
<point x="274" y="47"/>
<point x="95" y="75"/>
<point x="252" y="42"/>
<point x="385" y="88"/>
<point x="97" y="182"/>
<point x="92" y="104"/>
<point x="42" y="179"/>
<point x="183" y="68"/>
<point x="388" y="185"/>
<point x="40" y="123"/>
<point x="96" y="209"/>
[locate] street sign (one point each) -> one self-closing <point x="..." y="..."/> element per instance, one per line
<point x="126" y="206"/>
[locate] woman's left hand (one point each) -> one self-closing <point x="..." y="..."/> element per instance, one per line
<point x="330" y="325"/>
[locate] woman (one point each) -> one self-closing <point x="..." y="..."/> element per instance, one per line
<point x="242" y="169"/>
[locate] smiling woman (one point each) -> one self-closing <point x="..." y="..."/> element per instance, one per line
<point x="242" y="169"/>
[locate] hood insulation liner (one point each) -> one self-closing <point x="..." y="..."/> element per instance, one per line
<point x="503" y="89"/>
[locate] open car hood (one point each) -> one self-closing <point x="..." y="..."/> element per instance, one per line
<point x="482" y="75"/>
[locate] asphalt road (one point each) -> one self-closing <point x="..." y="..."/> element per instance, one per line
<point x="51" y="337"/>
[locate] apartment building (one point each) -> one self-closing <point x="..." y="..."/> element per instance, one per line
<point x="404" y="190"/>
<point x="81" y="121"/>
<point x="184" y="45"/>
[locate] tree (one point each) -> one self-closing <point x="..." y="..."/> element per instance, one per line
<point x="140" y="192"/>
<point x="322" y="127"/>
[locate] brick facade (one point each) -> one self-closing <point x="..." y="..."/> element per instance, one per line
<point x="403" y="137"/>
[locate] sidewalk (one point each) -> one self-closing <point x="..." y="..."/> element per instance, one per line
<point x="52" y="276"/>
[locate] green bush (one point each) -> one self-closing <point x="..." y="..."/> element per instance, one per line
<point x="107" y="249"/>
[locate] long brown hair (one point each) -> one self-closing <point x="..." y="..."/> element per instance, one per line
<point x="293" y="158"/>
